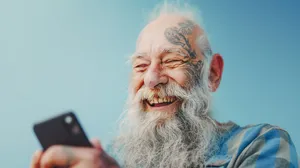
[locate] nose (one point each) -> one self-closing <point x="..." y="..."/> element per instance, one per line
<point x="154" y="77"/>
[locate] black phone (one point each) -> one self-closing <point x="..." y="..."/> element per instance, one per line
<point x="64" y="129"/>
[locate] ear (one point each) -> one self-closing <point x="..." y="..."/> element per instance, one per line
<point x="216" y="70"/>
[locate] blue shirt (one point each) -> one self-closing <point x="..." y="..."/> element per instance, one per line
<point x="254" y="146"/>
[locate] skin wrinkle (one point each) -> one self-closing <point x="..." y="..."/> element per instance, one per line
<point x="169" y="63"/>
<point x="185" y="29"/>
<point x="182" y="134"/>
<point x="161" y="51"/>
<point x="106" y="160"/>
<point x="69" y="155"/>
<point x="193" y="72"/>
<point x="158" y="146"/>
<point x="178" y="36"/>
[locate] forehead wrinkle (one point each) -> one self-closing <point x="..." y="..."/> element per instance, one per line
<point x="175" y="50"/>
<point x="137" y="55"/>
<point x="159" y="50"/>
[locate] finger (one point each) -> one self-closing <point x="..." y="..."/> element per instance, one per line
<point x="96" y="143"/>
<point x="35" y="162"/>
<point x="88" y="164"/>
<point x="67" y="156"/>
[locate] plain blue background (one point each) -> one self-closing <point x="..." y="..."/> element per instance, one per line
<point x="57" y="55"/>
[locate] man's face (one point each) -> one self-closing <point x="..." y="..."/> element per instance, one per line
<point x="165" y="53"/>
<point x="169" y="93"/>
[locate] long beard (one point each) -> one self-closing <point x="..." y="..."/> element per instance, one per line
<point x="158" y="139"/>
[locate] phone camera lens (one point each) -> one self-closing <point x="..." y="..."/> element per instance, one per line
<point x="68" y="120"/>
<point x="76" y="130"/>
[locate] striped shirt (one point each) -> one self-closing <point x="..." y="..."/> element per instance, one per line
<point x="254" y="146"/>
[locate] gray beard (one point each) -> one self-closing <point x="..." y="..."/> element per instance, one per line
<point x="157" y="139"/>
<point x="176" y="143"/>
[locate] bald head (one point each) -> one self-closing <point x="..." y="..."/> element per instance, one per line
<point x="169" y="91"/>
<point x="167" y="53"/>
<point x="170" y="31"/>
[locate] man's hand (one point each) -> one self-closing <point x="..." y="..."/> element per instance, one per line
<point x="73" y="157"/>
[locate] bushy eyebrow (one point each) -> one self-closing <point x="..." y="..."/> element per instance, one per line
<point x="136" y="56"/>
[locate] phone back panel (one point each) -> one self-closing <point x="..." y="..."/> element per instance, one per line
<point x="64" y="129"/>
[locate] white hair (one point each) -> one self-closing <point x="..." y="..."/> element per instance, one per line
<point x="185" y="140"/>
<point x="184" y="10"/>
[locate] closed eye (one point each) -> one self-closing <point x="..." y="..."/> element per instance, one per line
<point x="173" y="61"/>
<point x="169" y="61"/>
<point x="141" y="66"/>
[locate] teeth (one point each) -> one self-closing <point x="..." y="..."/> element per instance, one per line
<point x="151" y="95"/>
<point x="165" y="99"/>
<point x="155" y="100"/>
<point x="168" y="99"/>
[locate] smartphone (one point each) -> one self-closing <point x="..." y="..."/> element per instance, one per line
<point x="63" y="129"/>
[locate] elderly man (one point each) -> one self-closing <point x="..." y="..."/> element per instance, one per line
<point x="167" y="122"/>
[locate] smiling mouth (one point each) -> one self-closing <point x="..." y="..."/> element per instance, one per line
<point x="160" y="102"/>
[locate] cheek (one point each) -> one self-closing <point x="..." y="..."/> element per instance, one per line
<point x="179" y="76"/>
<point x="136" y="82"/>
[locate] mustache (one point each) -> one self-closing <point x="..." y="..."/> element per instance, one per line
<point x="170" y="89"/>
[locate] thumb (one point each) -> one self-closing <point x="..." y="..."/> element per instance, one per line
<point x="96" y="143"/>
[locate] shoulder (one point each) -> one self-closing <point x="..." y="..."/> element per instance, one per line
<point x="261" y="145"/>
<point x="245" y="136"/>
